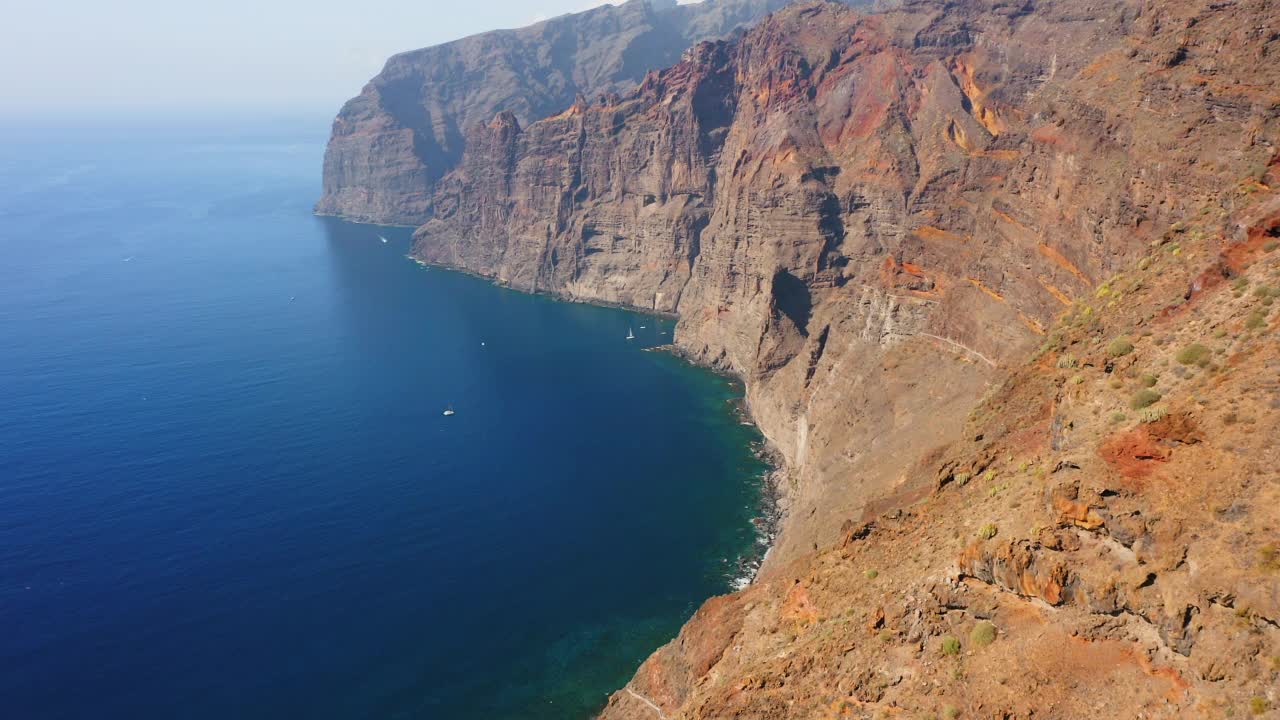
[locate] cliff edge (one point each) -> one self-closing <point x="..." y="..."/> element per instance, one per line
<point x="875" y="220"/>
<point x="407" y="128"/>
<point x="1000" y="278"/>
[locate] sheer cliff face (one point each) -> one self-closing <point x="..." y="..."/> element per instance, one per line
<point x="392" y="143"/>
<point x="875" y="219"/>
<point x="838" y="205"/>
<point x="898" y="209"/>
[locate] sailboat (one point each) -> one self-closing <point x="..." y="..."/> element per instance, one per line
<point x="630" y="335"/>
<point x="448" y="411"/>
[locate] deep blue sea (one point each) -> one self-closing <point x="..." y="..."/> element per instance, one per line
<point x="227" y="489"/>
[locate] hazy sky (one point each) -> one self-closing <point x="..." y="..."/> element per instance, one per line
<point x="92" y="56"/>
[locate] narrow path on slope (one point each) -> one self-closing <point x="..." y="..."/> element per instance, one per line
<point x="986" y="359"/>
<point x="646" y="701"/>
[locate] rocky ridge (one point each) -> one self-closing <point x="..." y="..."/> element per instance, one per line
<point x="874" y="219"/>
<point x="407" y="128"/>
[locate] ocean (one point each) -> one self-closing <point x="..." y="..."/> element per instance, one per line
<point x="227" y="485"/>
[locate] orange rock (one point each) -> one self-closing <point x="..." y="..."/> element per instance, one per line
<point x="798" y="607"/>
<point x="1133" y="453"/>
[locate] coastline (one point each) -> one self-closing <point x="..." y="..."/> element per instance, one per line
<point x="771" y="512"/>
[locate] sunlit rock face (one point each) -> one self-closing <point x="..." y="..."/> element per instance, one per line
<point x="408" y="127"/>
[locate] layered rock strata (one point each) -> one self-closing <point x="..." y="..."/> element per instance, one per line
<point x="407" y="128"/>
<point x="875" y="220"/>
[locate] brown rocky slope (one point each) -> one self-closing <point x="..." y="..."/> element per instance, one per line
<point x="875" y="220"/>
<point x="407" y="128"/>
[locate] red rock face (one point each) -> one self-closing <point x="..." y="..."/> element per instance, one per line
<point x="835" y="193"/>
<point x="872" y="219"/>
<point x="408" y="127"/>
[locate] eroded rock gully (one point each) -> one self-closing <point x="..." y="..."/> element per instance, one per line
<point x="920" y="235"/>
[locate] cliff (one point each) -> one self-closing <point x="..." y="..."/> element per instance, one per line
<point x="875" y="220"/>
<point x="407" y="128"/>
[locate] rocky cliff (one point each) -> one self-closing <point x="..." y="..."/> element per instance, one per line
<point x="407" y="128"/>
<point x="875" y="219"/>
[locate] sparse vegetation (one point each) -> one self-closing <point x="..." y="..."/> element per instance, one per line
<point x="1150" y="415"/>
<point x="1148" y="380"/>
<point x="1144" y="398"/>
<point x="988" y="531"/>
<point x="1119" y="347"/>
<point x="1194" y="354"/>
<point x="961" y="478"/>
<point x="983" y="634"/>
<point x="1258" y="705"/>
<point x="1255" y="320"/>
<point x="950" y="712"/>
<point x="1067" y="361"/>
<point x="871" y="574"/>
<point x="950" y="645"/>
<point x="1269" y="558"/>
<point x="1119" y="417"/>
<point x="1077" y="379"/>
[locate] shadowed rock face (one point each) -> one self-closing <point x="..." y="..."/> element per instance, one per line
<point x="408" y="127"/>
<point x="874" y="218"/>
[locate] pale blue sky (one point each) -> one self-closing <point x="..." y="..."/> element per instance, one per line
<point x="93" y="56"/>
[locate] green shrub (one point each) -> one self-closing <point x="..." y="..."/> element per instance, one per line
<point x="1067" y="361"/>
<point x="1193" y="354"/>
<point x="1119" y="417"/>
<point x="983" y="634"/>
<point x="950" y="645"/>
<point x="1149" y="380"/>
<point x="871" y="574"/>
<point x="1144" y="398"/>
<point x="1120" y="347"/>
<point x="1255" y="321"/>
<point x="961" y="478"/>
<point x="1270" y="246"/>
<point x="1258" y="705"/>
<point x="950" y="712"/>
<point x="988" y="531"/>
<point x="1077" y="379"/>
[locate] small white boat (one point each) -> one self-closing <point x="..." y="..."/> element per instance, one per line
<point x="630" y="335"/>
<point x="448" y="411"/>
<point x="382" y="238"/>
<point x="641" y="327"/>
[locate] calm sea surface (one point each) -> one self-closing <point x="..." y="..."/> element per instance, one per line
<point x="227" y="488"/>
